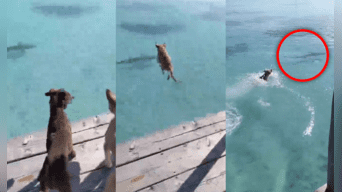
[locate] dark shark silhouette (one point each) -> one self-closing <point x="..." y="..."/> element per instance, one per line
<point x="308" y="55"/>
<point x="20" y="46"/>
<point x="237" y="48"/>
<point x="17" y="51"/>
<point x="140" y="63"/>
<point x="304" y="58"/>
<point x="136" y="59"/>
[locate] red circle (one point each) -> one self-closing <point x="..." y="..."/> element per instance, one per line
<point x="326" y="62"/>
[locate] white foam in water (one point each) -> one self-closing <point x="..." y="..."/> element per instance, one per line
<point x="311" y="109"/>
<point x="251" y="81"/>
<point x="233" y="119"/>
<point x="309" y="128"/>
<point x="263" y="103"/>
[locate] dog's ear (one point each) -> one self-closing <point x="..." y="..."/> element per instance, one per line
<point x="48" y="94"/>
<point x="51" y="92"/>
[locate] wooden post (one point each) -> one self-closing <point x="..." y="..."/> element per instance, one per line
<point x="330" y="180"/>
<point x="329" y="186"/>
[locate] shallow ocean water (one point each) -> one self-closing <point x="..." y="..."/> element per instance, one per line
<point x="193" y="32"/>
<point x="75" y="50"/>
<point x="278" y="129"/>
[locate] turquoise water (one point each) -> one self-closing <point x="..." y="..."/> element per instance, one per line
<point x="75" y="49"/>
<point x="278" y="129"/>
<point x="193" y="32"/>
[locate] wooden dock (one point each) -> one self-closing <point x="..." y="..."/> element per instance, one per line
<point x="188" y="157"/>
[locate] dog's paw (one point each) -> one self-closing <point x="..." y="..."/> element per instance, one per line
<point x="72" y="155"/>
<point x="108" y="164"/>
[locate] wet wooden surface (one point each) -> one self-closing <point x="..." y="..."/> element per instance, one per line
<point x="187" y="157"/>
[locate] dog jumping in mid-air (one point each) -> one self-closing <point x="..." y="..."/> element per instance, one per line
<point x="164" y="61"/>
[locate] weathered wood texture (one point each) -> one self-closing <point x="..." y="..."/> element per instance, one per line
<point x="34" y="144"/>
<point x="188" y="156"/>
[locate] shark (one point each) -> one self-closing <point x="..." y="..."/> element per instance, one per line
<point x="17" y="51"/>
<point x="136" y="59"/>
<point x="307" y="57"/>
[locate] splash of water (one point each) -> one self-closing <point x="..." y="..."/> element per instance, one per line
<point x="233" y="118"/>
<point x="263" y="103"/>
<point x="310" y="108"/>
<point x="251" y="81"/>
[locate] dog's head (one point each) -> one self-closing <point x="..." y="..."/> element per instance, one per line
<point x="161" y="46"/>
<point x="112" y="100"/>
<point x="59" y="98"/>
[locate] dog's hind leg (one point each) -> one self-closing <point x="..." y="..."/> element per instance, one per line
<point x="111" y="183"/>
<point x="43" y="171"/>
<point x="177" y="81"/>
<point x="108" y="160"/>
<point x="72" y="155"/>
<point x="43" y="176"/>
<point x="58" y="173"/>
<point x="113" y="150"/>
<point x="43" y="187"/>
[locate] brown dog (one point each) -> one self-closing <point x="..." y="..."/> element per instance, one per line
<point x="164" y="61"/>
<point x="110" y="136"/>
<point x="111" y="183"/>
<point x="54" y="174"/>
<point x="110" y="142"/>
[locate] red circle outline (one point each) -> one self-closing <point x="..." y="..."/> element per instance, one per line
<point x="326" y="48"/>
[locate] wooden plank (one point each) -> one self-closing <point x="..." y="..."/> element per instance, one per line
<point x="83" y="150"/>
<point x="35" y="143"/>
<point x="126" y="155"/>
<point x="80" y="182"/>
<point x="214" y="181"/>
<point x="163" y="165"/>
<point x="95" y="148"/>
<point x="90" y="154"/>
<point x="169" y="138"/>
<point x="95" y="181"/>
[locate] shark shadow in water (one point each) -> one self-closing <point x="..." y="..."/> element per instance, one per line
<point x="147" y="29"/>
<point x="237" y="48"/>
<point x="17" y="51"/>
<point x="138" y="62"/>
<point x="304" y="58"/>
<point x="64" y="11"/>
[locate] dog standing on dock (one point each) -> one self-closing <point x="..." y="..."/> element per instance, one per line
<point x="54" y="174"/>
<point x="110" y="142"/>
<point x="110" y="136"/>
<point x="164" y="61"/>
